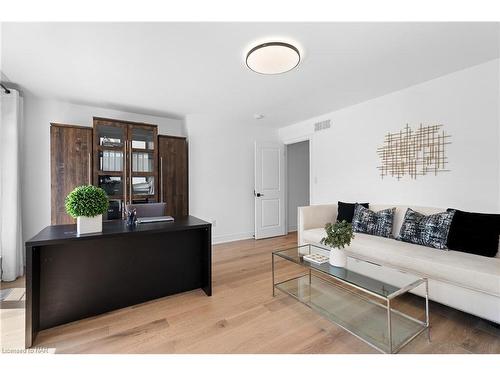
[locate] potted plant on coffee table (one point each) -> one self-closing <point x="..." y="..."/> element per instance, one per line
<point x="87" y="203"/>
<point x="338" y="235"/>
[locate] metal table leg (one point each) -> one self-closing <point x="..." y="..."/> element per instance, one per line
<point x="427" y="323"/>
<point x="272" y="262"/>
<point x="389" y="324"/>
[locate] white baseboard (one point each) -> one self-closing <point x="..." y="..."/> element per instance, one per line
<point x="292" y="228"/>
<point x="231" y="237"/>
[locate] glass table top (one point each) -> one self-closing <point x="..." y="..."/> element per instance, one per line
<point x="353" y="272"/>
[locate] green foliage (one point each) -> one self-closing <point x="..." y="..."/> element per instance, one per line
<point x="338" y="234"/>
<point x="86" y="200"/>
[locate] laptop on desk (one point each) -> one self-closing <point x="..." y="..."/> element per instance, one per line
<point x="154" y="219"/>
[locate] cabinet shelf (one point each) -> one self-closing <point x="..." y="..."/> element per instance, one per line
<point x="120" y="173"/>
<point x="135" y="196"/>
<point x="110" y="173"/>
<point x="143" y="150"/>
<point x="109" y="148"/>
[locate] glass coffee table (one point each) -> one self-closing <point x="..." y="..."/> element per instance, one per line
<point x="365" y="306"/>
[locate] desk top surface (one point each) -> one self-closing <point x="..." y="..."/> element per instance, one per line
<point x="54" y="234"/>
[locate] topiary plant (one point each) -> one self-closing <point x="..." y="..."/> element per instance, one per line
<point x="86" y="200"/>
<point x="338" y="234"/>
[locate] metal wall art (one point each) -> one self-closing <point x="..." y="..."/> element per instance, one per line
<point x="414" y="152"/>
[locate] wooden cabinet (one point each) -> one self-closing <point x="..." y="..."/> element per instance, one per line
<point x="71" y="165"/>
<point x="126" y="162"/>
<point x="173" y="161"/>
<point x="129" y="160"/>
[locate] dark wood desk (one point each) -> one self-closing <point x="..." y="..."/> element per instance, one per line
<point x="70" y="277"/>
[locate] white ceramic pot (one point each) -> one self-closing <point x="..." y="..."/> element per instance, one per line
<point x="338" y="258"/>
<point x="85" y="224"/>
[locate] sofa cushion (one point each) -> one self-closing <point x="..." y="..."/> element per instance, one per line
<point x="345" y="211"/>
<point x="370" y="222"/>
<point x="469" y="270"/>
<point x="474" y="233"/>
<point x="430" y="230"/>
<point x="399" y="215"/>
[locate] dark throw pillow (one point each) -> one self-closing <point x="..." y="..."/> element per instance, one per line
<point x="430" y="230"/>
<point x="370" y="222"/>
<point x="346" y="210"/>
<point x="474" y="233"/>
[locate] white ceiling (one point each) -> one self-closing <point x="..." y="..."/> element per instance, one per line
<point x="175" y="69"/>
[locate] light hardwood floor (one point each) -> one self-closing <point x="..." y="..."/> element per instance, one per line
<point x="243" y="317"/>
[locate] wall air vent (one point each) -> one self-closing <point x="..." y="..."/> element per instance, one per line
<point x="322" y="125"/>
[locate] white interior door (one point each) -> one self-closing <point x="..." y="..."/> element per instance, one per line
<point x="269" y="193"/>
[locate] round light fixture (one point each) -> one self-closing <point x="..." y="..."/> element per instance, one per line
<point x="273" y="58"/>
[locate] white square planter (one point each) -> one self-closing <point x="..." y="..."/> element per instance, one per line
<point x="85" y="224"/>
<point x="338" y="258"/>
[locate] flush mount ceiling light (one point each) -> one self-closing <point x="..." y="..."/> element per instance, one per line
<point x="273" y="58"/>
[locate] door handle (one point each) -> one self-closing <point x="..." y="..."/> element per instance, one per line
<point x="259" y="195"/>
<point x="90" y="169"/>
<point x="161" y="179"/>
<point x="130" y="170"/>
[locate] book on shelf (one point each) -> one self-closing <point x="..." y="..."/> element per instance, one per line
<point x="141" y="162"/>
<point x="134" y="161"/>
<point x="111" y="161"/>
<point x="115" y="161"/>
<point x="120" y="161"/>
<point x="105" y="166"/>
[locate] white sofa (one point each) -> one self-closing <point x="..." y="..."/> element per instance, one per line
<point x="466" y="282"/>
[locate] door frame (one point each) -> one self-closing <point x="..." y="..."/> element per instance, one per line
<point x="292" y="141"/>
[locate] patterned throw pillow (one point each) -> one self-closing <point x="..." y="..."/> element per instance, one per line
<point x="431" y="230"/>
<point x="376" y="223"/>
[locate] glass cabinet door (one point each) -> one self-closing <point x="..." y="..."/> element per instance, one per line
<point x="143" y="165"/>
<point x="125" y="163"/>
<point x="143" y="147"/>
<point x="110" y="140"/>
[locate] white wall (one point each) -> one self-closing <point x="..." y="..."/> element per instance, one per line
<point x="38" y="114"/>
<point x="297" y="180"/>
<point x="344" y="159"/>
<point x="221" y="173"/>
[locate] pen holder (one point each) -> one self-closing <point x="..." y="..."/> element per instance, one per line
<point x="131" y="217"/>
